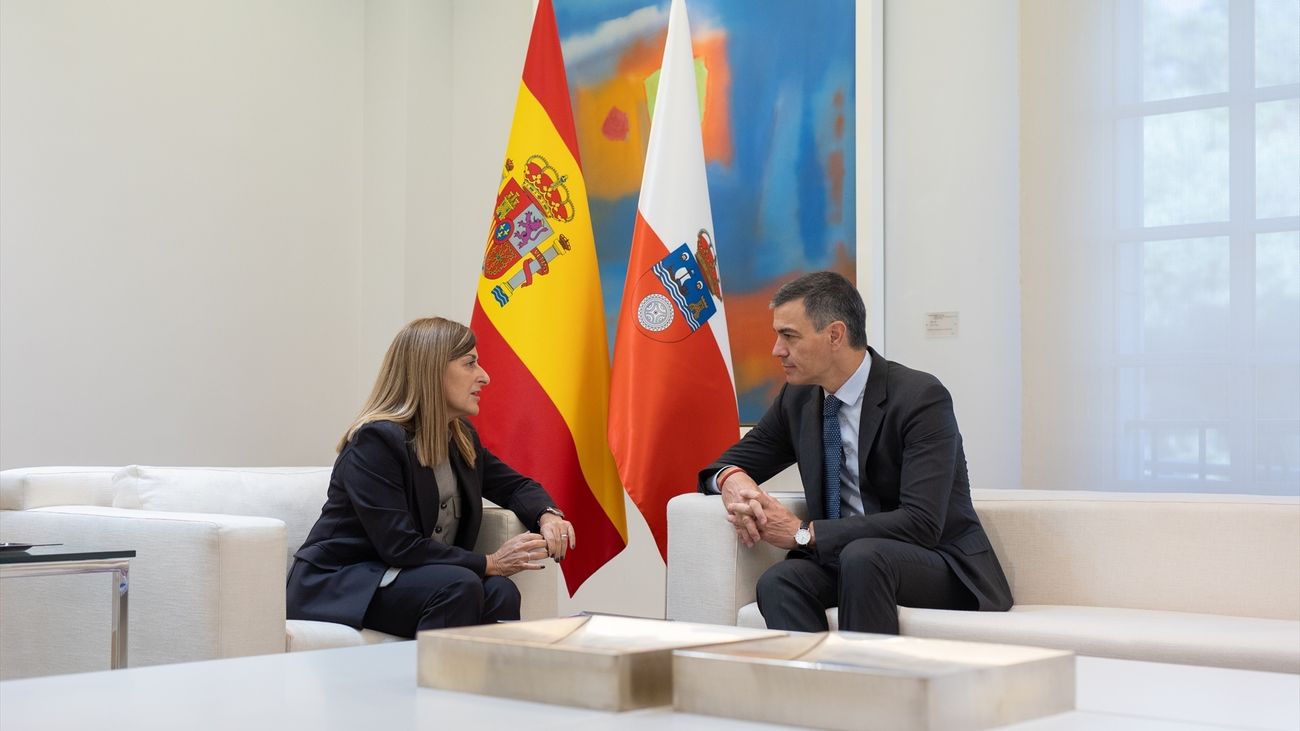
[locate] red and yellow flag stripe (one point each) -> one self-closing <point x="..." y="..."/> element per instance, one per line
<point x="540" y="324"/>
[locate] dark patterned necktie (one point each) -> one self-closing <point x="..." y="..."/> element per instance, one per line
<point x="832" y="454"/>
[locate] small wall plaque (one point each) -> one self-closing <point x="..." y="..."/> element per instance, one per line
<point x="941" y="324"/>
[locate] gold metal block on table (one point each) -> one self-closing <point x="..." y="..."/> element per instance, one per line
<point x="603" y="662"/>
<point x="851" y="680"/>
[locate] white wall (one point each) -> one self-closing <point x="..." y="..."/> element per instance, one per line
<point x="1068" y="254"/>
<point x="952" y="213"/>
<point x="179" y="219"/>
<point x="214" y="215"/>
<point x="409" y="87"/>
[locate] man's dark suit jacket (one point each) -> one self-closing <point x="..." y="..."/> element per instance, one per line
<point x="911" y="460"/>
<point x="380" y="510"/>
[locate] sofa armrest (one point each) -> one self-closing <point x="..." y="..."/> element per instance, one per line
<point x="536" y="588"/>
<point x="710" y="574"/>
<point x="202" y="586"/>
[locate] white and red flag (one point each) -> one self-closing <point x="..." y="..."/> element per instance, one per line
<point x="672" y="403"/>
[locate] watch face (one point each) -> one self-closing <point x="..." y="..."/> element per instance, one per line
<point x="801" y="537"/>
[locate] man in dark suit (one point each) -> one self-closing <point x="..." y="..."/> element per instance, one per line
<point x="880" y="457"/>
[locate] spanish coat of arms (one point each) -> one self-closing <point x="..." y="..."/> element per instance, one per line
<point x="523" y="227"/>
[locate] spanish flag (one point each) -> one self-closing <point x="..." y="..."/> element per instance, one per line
<point x="673" y="394"/>
<point x="539" y="318"/>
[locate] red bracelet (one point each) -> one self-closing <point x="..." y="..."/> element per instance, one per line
<point x="726" y="474"/>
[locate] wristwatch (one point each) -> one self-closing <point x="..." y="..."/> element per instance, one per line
<point x="556" y="512"/>
<point x="803" y="536"/>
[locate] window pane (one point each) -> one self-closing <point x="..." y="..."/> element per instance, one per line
<point x="1191" y="395"/>
<point x="1169" y="453"/>
<point x="1277" y="158"/>
<point x="1176" y="422"/>
<point x="1277" y="292"/>
<point x="1277" y="42"/>
<point x="1277" y="456"/>
<point x="1277" y="393"/>
<point x="1185" y="167"/>
<point x="1185" y="303"/>
<point x="1184" y="48"/>
<point x="1218" y="458"/>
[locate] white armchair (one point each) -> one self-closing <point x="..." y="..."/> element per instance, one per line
<point x="213" y="546"/>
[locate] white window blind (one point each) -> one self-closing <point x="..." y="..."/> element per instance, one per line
<point x="1162" y="256"/>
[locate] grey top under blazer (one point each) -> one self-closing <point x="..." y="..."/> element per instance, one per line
<point x="380" y="510"/>
<point x="911" y="461"/>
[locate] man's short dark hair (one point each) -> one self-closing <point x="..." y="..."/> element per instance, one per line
<point x="828" y="297"/>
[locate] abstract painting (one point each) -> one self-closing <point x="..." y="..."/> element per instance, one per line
<point x="778" y="116"/>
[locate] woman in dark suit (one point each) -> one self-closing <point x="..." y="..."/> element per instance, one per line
<point x="391" y="550"/>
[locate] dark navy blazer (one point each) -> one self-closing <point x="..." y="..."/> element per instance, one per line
<point x="379" y="512"/>
<point x="911" y="461"/>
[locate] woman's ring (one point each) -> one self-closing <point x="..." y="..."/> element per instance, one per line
<point x="564" y="535"/>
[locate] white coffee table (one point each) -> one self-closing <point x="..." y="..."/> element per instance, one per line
<point x="374" y="687"/>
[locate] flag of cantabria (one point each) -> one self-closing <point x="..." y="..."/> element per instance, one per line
<point x="539" y="319"/>
<point x="673" y="395"/>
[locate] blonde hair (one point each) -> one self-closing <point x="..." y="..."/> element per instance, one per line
<point x="409" y="389"/>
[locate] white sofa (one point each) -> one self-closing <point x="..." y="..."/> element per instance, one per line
<point x="213" y="546"/>
<point x="1179" y="578"/>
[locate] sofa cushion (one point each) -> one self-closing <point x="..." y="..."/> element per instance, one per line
<point x="293" y="495"/>
<point x="304" y="634"/>
<point x="749" y="616"/>
<point x="1247" y="643"/>
<point x="39" y="487"/>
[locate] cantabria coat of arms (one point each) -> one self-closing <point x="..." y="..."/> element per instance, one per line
<point x="679" y="293"/>
<point x="523" y="226"/>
